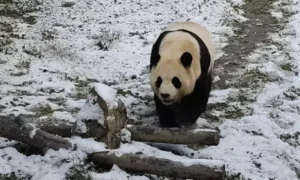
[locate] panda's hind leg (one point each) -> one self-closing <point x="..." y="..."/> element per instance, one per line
<point x="165" y="114"/>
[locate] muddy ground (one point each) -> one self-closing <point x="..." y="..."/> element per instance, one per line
<point x="248" y="34"/>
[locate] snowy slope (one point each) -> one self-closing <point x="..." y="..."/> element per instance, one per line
<point x="46" y="73"/>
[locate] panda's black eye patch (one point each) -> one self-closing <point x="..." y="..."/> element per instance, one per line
<point x="186" y="59"/>
<point x="158" y="82"/>
<point x="176" y="82"/>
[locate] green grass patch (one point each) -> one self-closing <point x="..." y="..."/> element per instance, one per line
<point x="4" y="42"/>
<point x="292" y="93"/>
<point x="242" y="97"/>
<point x="78" y="173"/>
<point x="8" y="10"/>
<point x="235" y="107"/>
<point x="5" y="27"/>
<point x="44" y="111"/>
<point x="107" y="38"/>
<point x="23" y="65"/>
<point x="233" y="112"/>
<point x="124" y="92"/>
<point x="68" y="4"/>
<point x="6" y="1"/>
<point x="291" y="139"/>
<point x="224" y="111"/>
<point x="29" y="20"/>
<point x="11" y="176"/>
<point x="286" y="67"/>
<point x="236" y="176"/>
<point x="82" y="88"/>
<point x="253" y="79"/>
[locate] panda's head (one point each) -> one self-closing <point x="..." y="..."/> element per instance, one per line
<point x="172" y="78"/>
<point x="181" y="54"/>
<point x="174" y="66"/>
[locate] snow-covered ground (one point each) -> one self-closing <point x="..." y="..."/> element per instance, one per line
<point x="46" y="71"/>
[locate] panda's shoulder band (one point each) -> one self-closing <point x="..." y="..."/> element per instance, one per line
<point x="155" y="49"/>
<point x="204" y="53"/>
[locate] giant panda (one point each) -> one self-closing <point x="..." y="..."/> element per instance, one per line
<point x="181" y="63"/>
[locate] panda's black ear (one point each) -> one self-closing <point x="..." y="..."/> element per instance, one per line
<point x="186" y="59"/>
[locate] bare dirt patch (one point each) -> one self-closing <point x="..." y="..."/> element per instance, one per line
<point x="251" y="35"/>
<point x="248" y="34"/>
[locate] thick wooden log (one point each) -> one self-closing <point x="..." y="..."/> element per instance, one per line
<point x="188" y="168"/>
<point x="138" y="133"/>
<point x="175" y="135"/>
<point x="55" y="127"/>
<point x="14" y="128"/>
<point x="151" y="134"/>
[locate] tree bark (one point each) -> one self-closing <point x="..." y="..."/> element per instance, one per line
<point x="189" y="169"/>
<point x="138" y="133"/>
<point x="175" y="135"/>
<point x="14" y="128"/>
<point x="54" y="127"/>
<point x="149" y="134"/>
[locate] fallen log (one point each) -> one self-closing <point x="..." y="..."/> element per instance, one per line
<point x="138" y="133"/>
<point x="174" y="135"/>
<point x="187" y="168"/>
<point x="104" y="118"/>
<point x="14" y="128"/>
<point x="56" y="127"/>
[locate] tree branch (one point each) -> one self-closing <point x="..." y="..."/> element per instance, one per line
<point x="15" y="128"/>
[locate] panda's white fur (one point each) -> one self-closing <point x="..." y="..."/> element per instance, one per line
<point x="201" y="32"/>
<point x="171" y="48"/>
<point x="166" y="64"/>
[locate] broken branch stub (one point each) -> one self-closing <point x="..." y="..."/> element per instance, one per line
<point x="187" y="168"/>
<point x="103" y="116"/>
<point x="115" y="116"/>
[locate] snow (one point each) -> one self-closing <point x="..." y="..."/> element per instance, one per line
<point x="70" y="61"/>
<point x="203" y="130"/>
<point x="87" y="145"/>
<point x="89" y="111"/>
<point x="125" y="135"/>
<point x="203" y="162"/>
<point x="33" y="132"/>
<point x="107" y="93"/>
<point x="64" y="116"/>
<point x="53" y="165"/>
<point x="116" y="174"/>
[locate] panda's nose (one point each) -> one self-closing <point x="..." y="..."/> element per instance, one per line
<point x="164" y="95"/>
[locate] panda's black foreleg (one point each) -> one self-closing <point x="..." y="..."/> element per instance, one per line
<point x="194" y="105"/>
<point x="165" y="114"/>
<point x="189" y="114"/>
<point x="205" y="88"/>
